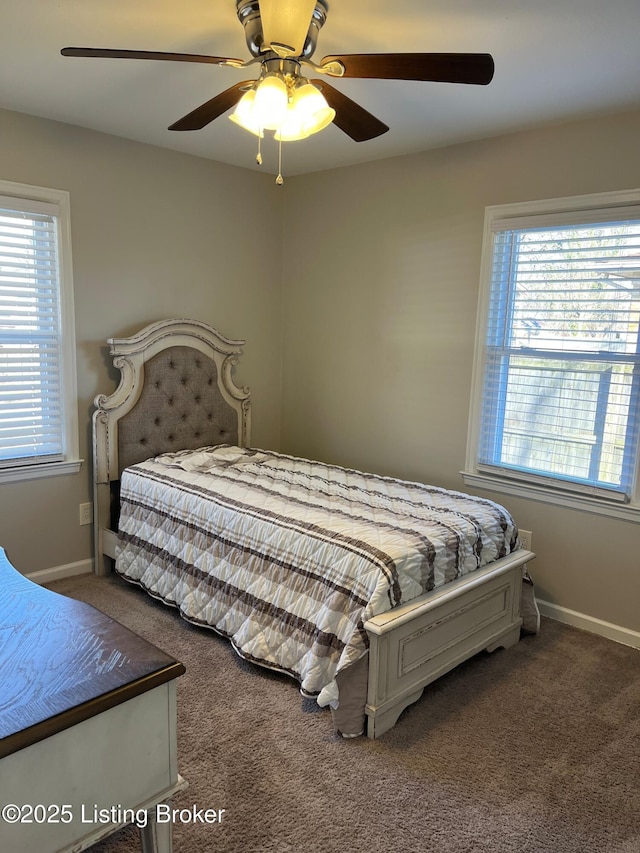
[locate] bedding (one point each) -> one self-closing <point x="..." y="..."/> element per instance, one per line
<point x="288" y="558"/>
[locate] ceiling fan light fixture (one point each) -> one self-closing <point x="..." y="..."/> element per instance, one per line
<point x="294" y="109"/>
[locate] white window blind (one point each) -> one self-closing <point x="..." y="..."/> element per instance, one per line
<point x="33" y="420"/>
<point x="560" y="400"/>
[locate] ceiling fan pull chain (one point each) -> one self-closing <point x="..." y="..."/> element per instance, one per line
<point x="259" y="154"/>
<point x="280" y="179"/>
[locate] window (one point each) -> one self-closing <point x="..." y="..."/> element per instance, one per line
<point x="557" y="381"/>
<point x="38" y="407"/>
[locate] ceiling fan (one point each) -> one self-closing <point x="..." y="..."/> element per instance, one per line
<point x="281" y="36"/>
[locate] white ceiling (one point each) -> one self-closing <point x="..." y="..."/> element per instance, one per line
<point x="555" y="60"/>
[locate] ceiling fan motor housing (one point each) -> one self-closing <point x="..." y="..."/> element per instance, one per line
<point x="248" y="12"/>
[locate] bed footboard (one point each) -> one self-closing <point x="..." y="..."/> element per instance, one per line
<point x="418" y="642"/>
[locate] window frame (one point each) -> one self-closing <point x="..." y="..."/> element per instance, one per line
<point x="14" y="471"/>
<point x="575" y="210"/>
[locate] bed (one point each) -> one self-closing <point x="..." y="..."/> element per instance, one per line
<point x="363" y="588"/>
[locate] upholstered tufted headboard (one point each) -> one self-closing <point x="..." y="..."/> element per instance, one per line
<point x="180" y="406"/>
<point x="176" y="392"/>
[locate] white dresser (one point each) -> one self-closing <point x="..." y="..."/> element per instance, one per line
<point x="87" y="725"/>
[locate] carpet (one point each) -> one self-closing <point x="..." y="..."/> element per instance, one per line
<point x="533" y="749"/>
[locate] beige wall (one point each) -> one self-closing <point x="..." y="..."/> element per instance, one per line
<point x="155" y="234"/>
<point x="380" y="296"/>
<point x="372" y="311"/>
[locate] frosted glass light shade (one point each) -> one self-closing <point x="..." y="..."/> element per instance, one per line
<point x="308" y="113"/>
<point x="292" y="128"/>
<point x="243" y="114"/>
<point x="270" y="103"/>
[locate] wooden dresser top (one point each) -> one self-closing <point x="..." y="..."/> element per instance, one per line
<point x="62" y="661"/>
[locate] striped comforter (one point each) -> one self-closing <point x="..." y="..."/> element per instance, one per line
<point x="288" y="558"/>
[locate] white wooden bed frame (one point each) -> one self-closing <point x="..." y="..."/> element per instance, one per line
<point x="411" y="645"/>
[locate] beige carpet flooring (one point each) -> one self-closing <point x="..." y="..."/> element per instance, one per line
<point x="535" y="749"/>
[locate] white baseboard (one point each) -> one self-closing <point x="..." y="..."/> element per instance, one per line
<point x="56" y="573"/>
<point x="589" y="623"/>
<point x="561" y="614"/>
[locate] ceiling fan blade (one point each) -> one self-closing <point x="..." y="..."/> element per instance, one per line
<point x="350" y="117"/>
<point x="206" y="113"/>
<point x="439" y="67"/>
<point x="107" y="53"/>
<point x="286" y="23"/>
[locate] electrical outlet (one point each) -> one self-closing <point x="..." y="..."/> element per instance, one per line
<point x="86" y="513"/>
<point x="525" y="539"/>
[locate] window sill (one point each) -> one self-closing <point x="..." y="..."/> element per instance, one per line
<point x="19" y="473"/>
<point x="570" y="500"/>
